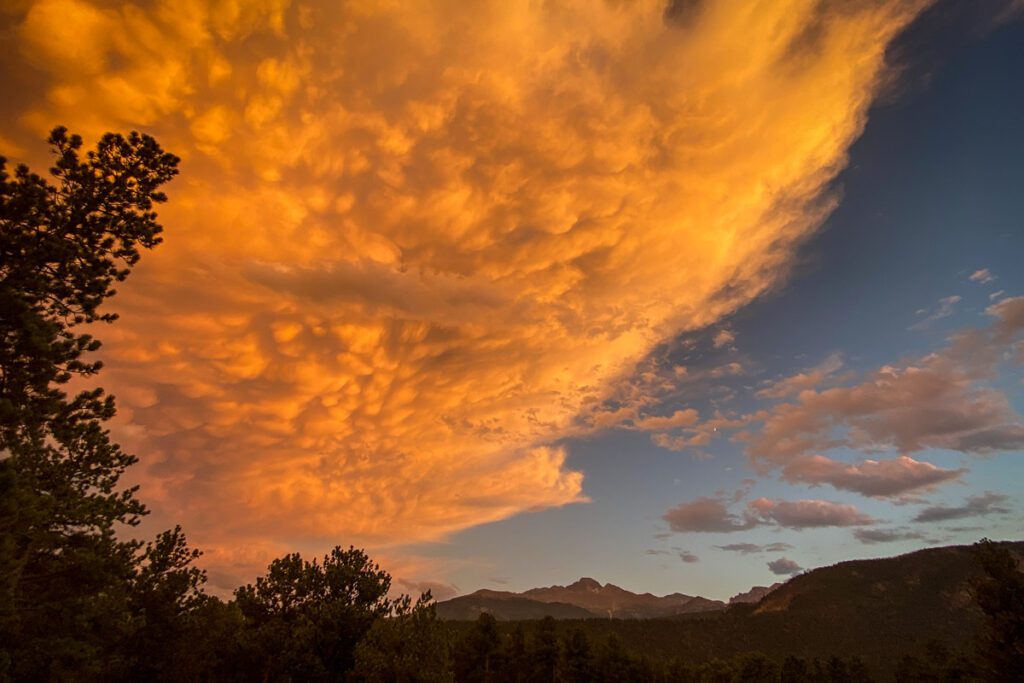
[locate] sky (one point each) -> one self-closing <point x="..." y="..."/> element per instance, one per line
<point x="684" y="297"/>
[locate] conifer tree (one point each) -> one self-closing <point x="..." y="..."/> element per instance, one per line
<point x="70" y="592"/>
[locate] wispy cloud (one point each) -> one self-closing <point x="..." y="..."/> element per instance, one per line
<point x="801" y="381"/>
<point x="944" y="309"/>
<point x="872" y="536"/>
<point x="742" y="548"/>
<point x="982" y="276"/>
<point x="751" y="548"/>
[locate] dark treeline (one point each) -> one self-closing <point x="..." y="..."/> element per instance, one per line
<point x="562" y="651"/>
<point x="82" y="600"/>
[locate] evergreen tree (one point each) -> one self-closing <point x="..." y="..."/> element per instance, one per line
<point x="757" y="668"/>
<point x="405" y="647"/>
<point x="613" y="663"/>
<point x="794" y="670"/>
<point x="544" y="651"/>
<point x="72" y="590"/>
<point x="476" y="657"/>
<point x="303" y="619"/>
<point x="515" y="660"/>
<point x="579" y="661"/>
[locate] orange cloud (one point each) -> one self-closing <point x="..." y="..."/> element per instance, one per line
<point x="412" y="242"/>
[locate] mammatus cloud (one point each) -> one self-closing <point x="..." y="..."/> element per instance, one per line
<point x="711" y="515"/>
<point x="784" y="567"/>
<point x="412" y="242"/>
<point x="988" y="503"/>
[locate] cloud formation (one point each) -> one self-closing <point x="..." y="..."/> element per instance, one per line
<point x="801" y="381"/>
<point x="707" y="515"/>
<point x="945" y="309"/>
<point x="806" y="514"/>
<point x="874" y="478"/>
<point x="713" y="515"/>
<point x="934" y="401"/>
<point x="751" y="548"/>
<point x="784" y="567"/>
<point x="982" y="276"/>
<point x="942" y="400"/>
<point x="412" y="242"/>
<point x="987" y="503"/>
<point x="871" y="536"/>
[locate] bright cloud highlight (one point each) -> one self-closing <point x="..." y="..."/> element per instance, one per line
<point x="413" y="242"/>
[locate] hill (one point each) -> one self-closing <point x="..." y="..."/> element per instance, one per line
<point x="755" y="594"/>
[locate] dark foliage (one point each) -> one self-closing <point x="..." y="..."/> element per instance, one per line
<point x="999" y="592"/>
<point x="304" y="619"/>
<point x="75" y="598"/>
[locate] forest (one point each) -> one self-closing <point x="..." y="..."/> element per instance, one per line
<point x="82" y="599"/>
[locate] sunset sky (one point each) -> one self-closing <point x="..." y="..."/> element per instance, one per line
<point x="683" y="297"/>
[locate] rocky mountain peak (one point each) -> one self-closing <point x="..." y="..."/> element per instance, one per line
<point x="585" y="584"/>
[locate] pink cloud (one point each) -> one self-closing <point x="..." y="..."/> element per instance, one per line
<point x="982" y="276"/>
<point x="875" y="478"/>
<point x="937" y="401"/>
<point x="707" y="515"/>
<point x="680" y="418"/>
<point x="808" y="379"/>
<point x="806" y="514"/>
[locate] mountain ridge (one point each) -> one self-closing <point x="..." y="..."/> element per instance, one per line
<point x="596" y="599"/>
<point x="889" y="585"/>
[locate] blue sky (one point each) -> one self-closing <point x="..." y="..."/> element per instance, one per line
<point x="931" y="195"/>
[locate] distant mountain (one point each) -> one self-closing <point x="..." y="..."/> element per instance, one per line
<point x="585" y="598"/>
<point x="506" y="606"/>
<point x="878" y="610"/>
<point x="753" y="595"/>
